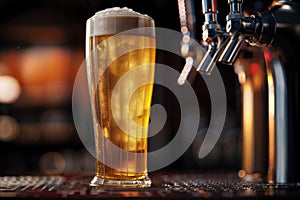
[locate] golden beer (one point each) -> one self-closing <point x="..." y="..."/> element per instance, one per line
<point x="121" y="75"/>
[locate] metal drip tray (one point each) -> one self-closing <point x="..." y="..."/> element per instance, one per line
<point x="165" y="186"/>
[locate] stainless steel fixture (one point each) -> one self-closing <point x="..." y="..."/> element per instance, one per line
<point x="262" y="47"/>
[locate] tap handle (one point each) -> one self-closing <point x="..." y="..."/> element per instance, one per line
<point x="210" y="11"/>
<point x="235" y="6"/>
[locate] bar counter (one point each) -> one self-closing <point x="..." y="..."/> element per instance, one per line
<point x="166" y="185"/>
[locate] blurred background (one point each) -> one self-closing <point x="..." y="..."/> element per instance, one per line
<point x="41" y="48"/>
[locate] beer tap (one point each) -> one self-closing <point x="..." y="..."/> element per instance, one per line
<point x="224" y="46"/>
<point x="212" y="36"/>
<point x="266" y="31"/>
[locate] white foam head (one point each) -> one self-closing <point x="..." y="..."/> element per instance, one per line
<point x="115" y="20"/>
<point x="117" y="11"/>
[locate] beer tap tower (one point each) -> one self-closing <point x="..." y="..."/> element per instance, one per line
<point x="276" y="33"/>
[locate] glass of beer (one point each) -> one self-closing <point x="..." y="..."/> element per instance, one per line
<point x="120" y="57"/>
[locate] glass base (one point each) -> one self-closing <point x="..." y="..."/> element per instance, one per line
<point x="138" y="183"/>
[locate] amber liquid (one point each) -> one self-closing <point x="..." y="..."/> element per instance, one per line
<point x="109" y="110"/>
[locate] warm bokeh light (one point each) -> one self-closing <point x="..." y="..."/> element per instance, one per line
<point x="242" y="173"/>
<point x="248" y="146"/>
<point x="52" y="163"/>
<point x="239" y="69"/>
<point x="286" y="7"/>
<point x="186" y="70"/>
<point x="10" y="89"/>
<point x="9" y="128"/>
<point x="271" y="120"/>
<point x="46" y="75"/>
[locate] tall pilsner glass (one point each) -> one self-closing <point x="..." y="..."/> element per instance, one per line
<point x="120" y="55"/>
